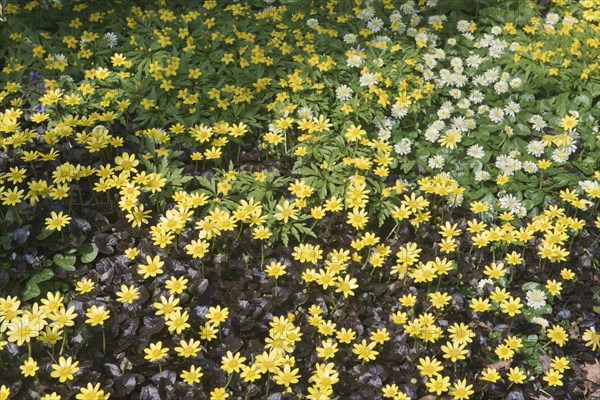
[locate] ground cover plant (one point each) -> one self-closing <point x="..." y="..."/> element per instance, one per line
<point x="299" y="199"/>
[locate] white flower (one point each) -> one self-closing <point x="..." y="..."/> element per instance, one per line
<point x="552" y="18"/>
<point x="496" y="115"/>
<point x="476" y="151"/>
<point x="540" y="321"/>
<point x="312" y="23"/>
<point x="354" y="61"/>
<point x="429" y="60"/>
<point x="463" y="26"/>
<point x="403" y="147"/>
<point x="537" y="122"/>
<point x="396" y="17"/>
<point x="349" y="38"/>
<point x="536" y="148"/>
<point x="508" y="164"/>
<point x="474" y="61"/>
<point x="509" y="202"/>
<point x="456" y="93"/>
<point x="451" y="42"/>
<point x="492" y="75"/>
<point x="378" y="62"/>
<point x="399" y="111"/>
<point x="536" y="298"/>
<point x="463" y="104"/>
<point x="368" y="79"/>
<point x="436" y="161"/>
<point x="344" y="92"/>
<point x="305" y="113"/>
<point x="560" y="155"/>
<point x="515" y="83"/>
<point x="366" y="13"/>
<point x="530" y="167"/>
<point x="501" y="87"/>
<point x="111" y="39"/>
<point x="476" y="96"/>
<point x="482" y="176"/>
<point x="512" y="108"/>
<point x="487" y="281"/>
<point x="375" y="24"/>
<point x="432" y="134"/>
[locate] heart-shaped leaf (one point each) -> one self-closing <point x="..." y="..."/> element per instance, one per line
<point x="65" y="262"/>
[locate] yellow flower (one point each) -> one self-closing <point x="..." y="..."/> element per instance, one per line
<point x="192" y="375"/>
<point x="275" y="269"/>
<point x="558" y="335"/>
<point x="65" y="369"/>
<point x="461" y="391"/>
<point x="287" y="376"/>
<point x="217" y="315"/>
<point x="454" y="351"/>
<point x="191" y="348"/>
<point x="176" y="285"/>
<point x="553" y="377"/>
<point x="231" y="363"/>
<point x="512" y="306"/>
<point x="219" y="394"/>
<point x="92" y="393"/>
<point x="345" y="336"/>
<point x="155" y="352"/>
<point x="569" y="122"/>
<point x="50" y="396"/>
<point x="365" y="351"/>
<point x="490" y="375"/>
<point x="152" y="268"/>
<point x="85" y="286"/>
<point x="438" y="384"/>
<point x="128" y="294"/>
<point x="96" y="315"/>
<point x="29" y="367"/>
<point x="57" y="221"/>
<point x="515" y="375"/>
<point x="429" y="366"/>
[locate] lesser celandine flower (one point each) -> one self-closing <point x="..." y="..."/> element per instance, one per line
<point x="558" y="335"/>
<point x="438" y="384"/>
<point x="192" y="375"/>
<point x="365" y="351"/>
<point x="57" y="221"/>
<point x="217" y="315"/>
<point x="232" y="362"/>
<point x="92" y="393"/>
<point x="29" y="367"/>
<point x="65" y="369"/>
<point x="96" y="315"/>
<point x="85" y="286"/>
<point x="4" y="392"/>
<point x="155" y="352"/>
<point x="128" y="294"/>
<point x="219" y="394"/>
<point x="490" y="375"/>
<point x="515" y="375"/>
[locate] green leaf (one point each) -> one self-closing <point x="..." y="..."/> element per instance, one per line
<point x="65" y="262"/>
<point x="530" y="286"/>
<point x="44" y="234"/>
<point x="88" y="252"/>
<point x="32" y="289"/>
